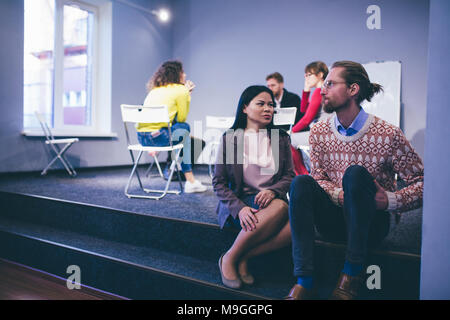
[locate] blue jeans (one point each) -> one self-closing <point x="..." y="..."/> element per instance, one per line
<point x="358" y="222"/>
<point x="180" y="133"/>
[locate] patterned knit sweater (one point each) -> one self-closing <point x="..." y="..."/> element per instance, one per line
<point x="379" y="147"/>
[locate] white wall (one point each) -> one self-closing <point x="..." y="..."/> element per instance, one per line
<point x="229" y="45"/>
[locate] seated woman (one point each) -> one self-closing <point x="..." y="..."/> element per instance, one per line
<point x="252" y="176"/>
<point x="168" y="86"/>
<point x="315" y="74"/>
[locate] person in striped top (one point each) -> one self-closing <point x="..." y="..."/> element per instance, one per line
<point x="352" y="187"/>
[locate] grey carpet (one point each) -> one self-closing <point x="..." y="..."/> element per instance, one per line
<point x="105" y="187"/>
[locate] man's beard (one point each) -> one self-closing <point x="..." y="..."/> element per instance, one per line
<point x="330" y="108"/>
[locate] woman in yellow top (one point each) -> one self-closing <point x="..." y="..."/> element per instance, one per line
<point x="168" y="86"/>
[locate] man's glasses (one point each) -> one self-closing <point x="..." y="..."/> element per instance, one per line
<point x="330" y="84"/>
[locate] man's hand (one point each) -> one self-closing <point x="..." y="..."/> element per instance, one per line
<point x="381" y="198"/>
<point x="248" y="219"/>
<point x="341" y="198"/>
<point x="264" y="197"/>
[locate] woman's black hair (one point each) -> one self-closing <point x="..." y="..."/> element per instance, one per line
<point x="240" y="122"/>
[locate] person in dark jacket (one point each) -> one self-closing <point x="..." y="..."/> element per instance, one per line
<point x="252" y="176"/>
<point x="282" y="97"/>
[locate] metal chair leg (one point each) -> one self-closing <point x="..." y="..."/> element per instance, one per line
<point x="135" y="163"/>
<point x="137" y="173"/>
<point x="211" y="160"/>
<point x="159" y="167"/>
<point x="44" y="172"/>
<point x="68" y="167"/>
<point x="66" y="162"/>
<point x="73" y="172"/>
<point x="149" y="169"/>
<point x="60" y="155"/>
<point x="177" y="156"/>
<point x="162" y="193"/>
<point x="155" y="161"/>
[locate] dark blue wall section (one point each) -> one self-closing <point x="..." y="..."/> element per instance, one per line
<point x="435" y="278"/>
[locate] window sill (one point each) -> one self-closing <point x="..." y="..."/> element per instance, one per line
<point x="74" y="134"/>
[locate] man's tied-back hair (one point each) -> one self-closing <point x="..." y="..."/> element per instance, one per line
<point x="354" y="72"/>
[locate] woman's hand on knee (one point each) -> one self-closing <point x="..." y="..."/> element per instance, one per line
<point x="264" y="197"/>
<point x="248" y="218"/>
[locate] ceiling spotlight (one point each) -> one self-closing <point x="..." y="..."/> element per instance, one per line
<point x="162" y="14"/>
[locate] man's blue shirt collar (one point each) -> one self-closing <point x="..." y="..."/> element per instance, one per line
<point x="356" y="125"/>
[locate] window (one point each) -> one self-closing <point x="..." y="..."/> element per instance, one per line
<point x="62" y="60"/>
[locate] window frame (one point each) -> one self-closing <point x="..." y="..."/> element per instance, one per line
<point x="58" y="75"/>
<point x="100" y="125"/>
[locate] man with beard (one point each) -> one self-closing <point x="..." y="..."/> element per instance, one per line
<point x="352" y="186"/>
<point x="283" y="98"/>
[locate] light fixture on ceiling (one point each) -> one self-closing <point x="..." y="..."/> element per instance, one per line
<point x="162" y="14"/>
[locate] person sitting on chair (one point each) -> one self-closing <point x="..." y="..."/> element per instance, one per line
<point x="252" y="175"/>
<point x="168" y="86"/>
<point x="283" y="97"/>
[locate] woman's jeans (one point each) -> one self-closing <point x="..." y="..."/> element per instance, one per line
<point x="180" y="134"/>
<point x="358" y="222"/>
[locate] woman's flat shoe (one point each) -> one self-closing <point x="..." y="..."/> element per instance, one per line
<point x="234" y="284"/>
<point x="247" y="279"/>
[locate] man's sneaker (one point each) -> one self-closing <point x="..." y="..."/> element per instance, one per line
<point x="196" y="186"/>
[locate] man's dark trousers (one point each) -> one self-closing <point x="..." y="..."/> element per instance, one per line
<point x="358" y="222"/>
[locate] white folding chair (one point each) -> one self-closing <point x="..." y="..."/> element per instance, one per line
<point x="303" y="144"/>
<point x="306" y="156"/>
<point x="221" y="124"/>
<point x="54" y="146"/>
<point x="284" y="116"/>
<point x="145" y="114"/>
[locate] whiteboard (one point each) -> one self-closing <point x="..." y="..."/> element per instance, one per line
<point x="385" y="105"/>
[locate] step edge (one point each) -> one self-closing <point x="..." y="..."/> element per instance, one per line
<point x="140" y="266"/>
<point x="392" y="253"/>
<point x="83" y="204"/>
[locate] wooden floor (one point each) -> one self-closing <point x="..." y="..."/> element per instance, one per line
<point x="18" y="282"/>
